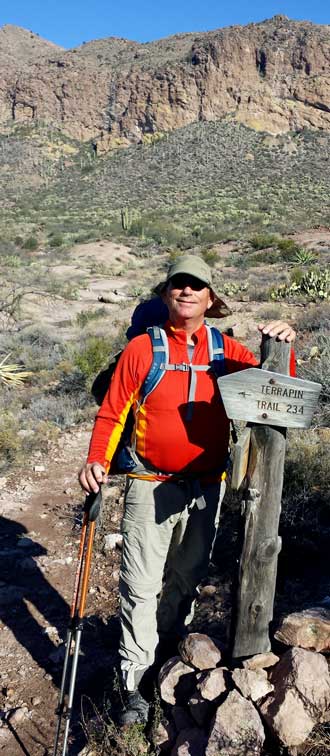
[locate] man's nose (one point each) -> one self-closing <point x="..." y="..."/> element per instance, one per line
<point x="187" y="289"/>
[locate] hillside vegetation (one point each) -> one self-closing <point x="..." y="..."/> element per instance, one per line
<point x="202" y="183"/>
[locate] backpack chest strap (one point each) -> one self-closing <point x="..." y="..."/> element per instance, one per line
<point x="193" y="369"/>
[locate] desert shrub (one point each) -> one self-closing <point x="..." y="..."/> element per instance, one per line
<point x="64" y="411"/>
<point x="56" y="241"/>
<point x="10" y="442"/>
<point x="305" y="500"/>
<point x="38" y="349"/>
<point x="317" y="368"/>
<point x="287" y="245"/>
<point x="318" y="742"/>
<point x="262" y="241"/>
<point x="91" y="356"/>
<point x="31" y="243"/>
<point x="315" y="319"/>
<point x="270" y="313"/>
<point x="83" y="317"/>
<point x="210" y="256"/>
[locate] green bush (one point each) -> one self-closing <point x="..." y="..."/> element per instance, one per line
<point x="31" y="243"/>
<point x="56" y="241"/>
<point x="92" y="356"/>
<point x="85" y="316"/>
<point x="262" y="241"/>
<point x="10" y="442"/>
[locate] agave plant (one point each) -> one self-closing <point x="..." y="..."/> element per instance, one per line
<point x="11" y="373"/>
<point x="304" y="257"/>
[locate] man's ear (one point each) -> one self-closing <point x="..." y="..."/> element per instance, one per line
<point x="211" y="299"/>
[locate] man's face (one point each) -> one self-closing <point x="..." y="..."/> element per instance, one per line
<point x="187" y="298"/>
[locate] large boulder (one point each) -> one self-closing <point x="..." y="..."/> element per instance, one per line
<point x="308" y="629"/>
<point x="261" y="661"/>
<point x="199" y="650"/>
<point x="253" y="684"/>
<point x="237" y="729"/>
<point x="301" y="696"/>
<point x="213" y="683"/>
<point x="176" y="681"/>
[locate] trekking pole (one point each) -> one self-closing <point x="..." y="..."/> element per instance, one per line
<point x="64" y="709"/>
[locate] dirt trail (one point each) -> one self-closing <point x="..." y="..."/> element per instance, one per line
<point x="39" y="535"/>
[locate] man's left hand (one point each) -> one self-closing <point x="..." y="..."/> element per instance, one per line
<point x="278" y="329"/>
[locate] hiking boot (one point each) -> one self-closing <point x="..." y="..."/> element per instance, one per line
<point x="136" y="710"/>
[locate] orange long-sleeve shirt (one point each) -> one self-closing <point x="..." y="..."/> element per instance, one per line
<point x="165" y="438"/>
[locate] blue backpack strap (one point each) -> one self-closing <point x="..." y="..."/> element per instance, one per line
<point x="216" y="351"/>
<point x="160" y="362"/>
<point x="160" y="359"/>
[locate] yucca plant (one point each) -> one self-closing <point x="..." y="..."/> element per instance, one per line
<point x="11" y="373"/>
<point x="304" y="257"/>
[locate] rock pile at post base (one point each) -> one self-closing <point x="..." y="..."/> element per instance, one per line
<point x="210" y="710"/>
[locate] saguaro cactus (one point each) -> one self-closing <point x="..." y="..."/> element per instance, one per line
<point x="126" y="218"/>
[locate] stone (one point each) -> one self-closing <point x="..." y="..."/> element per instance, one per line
<point x="16" y="717"/>
<point x="236" y="729"/>
<point x="199" y="650"/>
<point x="213" y="683"/>
<point x="171" y="676"/>
<point x="207" y="590"/>
<point x="301" y="696"/>
<point x="308" y="629"/>
<point x="36" y="700"/>
<point x="261" y="661"/>
<point x="253" y="684"/>
<point x="112" y="541"/>
<point x="287" y="718"/>
<point x="190" y="742"/>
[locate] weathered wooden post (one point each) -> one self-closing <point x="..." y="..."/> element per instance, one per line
<point x="275" y="402"/>
<point x="262" y="504"/>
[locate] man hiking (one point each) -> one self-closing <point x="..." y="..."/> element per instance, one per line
<point x="176" y="464"/>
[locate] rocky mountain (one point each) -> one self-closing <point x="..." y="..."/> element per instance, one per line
<point x="272" y="76"/>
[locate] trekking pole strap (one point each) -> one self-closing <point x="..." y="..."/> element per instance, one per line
<point x="93" y="504"/>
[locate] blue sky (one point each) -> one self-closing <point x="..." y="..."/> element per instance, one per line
<point x="71" y="22"/>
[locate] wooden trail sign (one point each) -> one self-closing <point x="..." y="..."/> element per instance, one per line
<point x="261" y="396"/>
<point x="261" y="504"/>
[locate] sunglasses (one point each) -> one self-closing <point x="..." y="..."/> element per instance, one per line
<point x="181" y="280"/>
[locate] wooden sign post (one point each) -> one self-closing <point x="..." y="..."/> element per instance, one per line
<point x="262" y="496"/>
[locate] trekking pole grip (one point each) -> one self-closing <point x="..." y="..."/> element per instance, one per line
<point x="93" y="504"/>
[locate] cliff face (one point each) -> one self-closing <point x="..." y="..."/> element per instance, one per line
<point x="274" y="76"/>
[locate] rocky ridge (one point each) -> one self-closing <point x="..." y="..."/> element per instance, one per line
<point x="272" y="76"/>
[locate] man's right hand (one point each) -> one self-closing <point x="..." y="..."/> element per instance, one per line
<point x="91" y="475"/>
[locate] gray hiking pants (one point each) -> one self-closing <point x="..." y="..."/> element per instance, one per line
<point x="168" y="533"/>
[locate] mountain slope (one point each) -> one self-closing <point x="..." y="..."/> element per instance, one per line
<point x="272" y="76"/>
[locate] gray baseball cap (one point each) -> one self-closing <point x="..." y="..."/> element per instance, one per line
<point x="195" y="266"/>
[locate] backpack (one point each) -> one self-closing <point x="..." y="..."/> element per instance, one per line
<point x="123" y="461"/>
